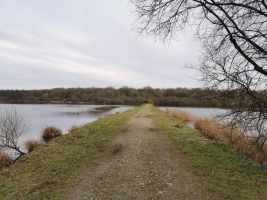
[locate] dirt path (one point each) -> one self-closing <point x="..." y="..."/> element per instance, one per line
<point x="148" y="167"/>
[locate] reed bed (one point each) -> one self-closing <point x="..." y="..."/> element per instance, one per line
<point x="32" y="144"/>
<point x="181" y="115"/>
<point x="225" y="133"/>
<point x="168" y="111"/>
<point x="5" y="159"/>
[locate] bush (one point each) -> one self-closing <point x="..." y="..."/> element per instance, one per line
<point x="32" y="144"/>
<point x="5" y="159"/>
<point x="51" y="132"/>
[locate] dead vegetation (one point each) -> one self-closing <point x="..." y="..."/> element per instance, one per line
<point x="236" y="137"/>
<point x="50" y="133"/>
<point x="74" y="128"/>
<point x="5" y="159"/>
<point x="181" y="115"/>
<point x="32" y="144"/>
<point x="223" y="132"/>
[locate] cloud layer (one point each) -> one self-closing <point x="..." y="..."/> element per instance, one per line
<point x="66" y="43"/>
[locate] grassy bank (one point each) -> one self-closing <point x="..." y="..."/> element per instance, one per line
<point x="47" y="171"/>
<point x="223" y="170"/>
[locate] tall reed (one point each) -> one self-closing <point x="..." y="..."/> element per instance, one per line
<point x="181" y="115"/>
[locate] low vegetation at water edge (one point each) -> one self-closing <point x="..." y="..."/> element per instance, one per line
<point x="52" y="169"/>
<point x="181" y="115"/>
<point x="51" y="132"/>
<point x="234" y="137"/>
<point x="5" y="160"/>
<point x="223" y="170"/>
<point x="31" y="144"/>
<point x="74" y="128"/>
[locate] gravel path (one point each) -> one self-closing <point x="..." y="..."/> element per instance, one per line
<point x="148" y="167"/>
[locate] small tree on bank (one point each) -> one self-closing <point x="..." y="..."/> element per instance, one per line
<point x="234" y="40"/>
<point x="12" y="125"/>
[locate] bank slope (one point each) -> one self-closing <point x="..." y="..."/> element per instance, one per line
<point x="223" y="170"/>
<point x="48" y="171"/>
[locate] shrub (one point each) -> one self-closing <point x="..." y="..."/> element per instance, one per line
<point x="74" y="128"/>
<point x="51" y="132"/>
<point x="32" y="144"/>
<point x="5" y="159"/>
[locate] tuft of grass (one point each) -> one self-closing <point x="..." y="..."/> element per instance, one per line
<point x="50" y="171"/>
<point x="74" y="128"/>
<point x="237" y="138"/>
<point x="181" y="115"/>
<point x="51" y="132"/>
<point x="32" y="144"/>
<point x="222" y="169"/>
<point x="5" y="160"/>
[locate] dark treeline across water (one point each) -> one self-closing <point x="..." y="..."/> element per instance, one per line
<point x="195" y="97"/>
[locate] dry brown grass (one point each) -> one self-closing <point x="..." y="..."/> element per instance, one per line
<point x="51" y="132"/>
<point x="74" y="128"/>
<point x="232" y="136"/>
<point x="168" y="111"/>
<point x="183" y="116"/>
<point x="32" y="144"/>
<point x="5" y="159"/>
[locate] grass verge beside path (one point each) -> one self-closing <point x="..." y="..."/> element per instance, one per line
<point x="223" y="170"/>
<point x="47" y="171"/>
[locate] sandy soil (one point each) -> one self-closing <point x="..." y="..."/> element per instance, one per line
<point x="147" y="167"/>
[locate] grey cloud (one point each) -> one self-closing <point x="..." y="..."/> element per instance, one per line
<point x="46" y="44"/>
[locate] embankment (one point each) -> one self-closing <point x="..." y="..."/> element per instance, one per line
<point x="47" y="171"/>
<point x="224" y="170"/>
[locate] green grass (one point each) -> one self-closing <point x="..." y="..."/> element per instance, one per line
<point x="222" y="169"/>
<point x="48" y="171"/>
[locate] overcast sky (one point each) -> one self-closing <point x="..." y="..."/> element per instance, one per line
<point x="85" y="43"/>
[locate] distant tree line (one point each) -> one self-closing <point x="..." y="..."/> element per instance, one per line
<point x="195" y="97"/>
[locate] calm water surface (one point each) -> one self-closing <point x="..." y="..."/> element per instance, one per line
<point x="61" y="116"/>
<point x="198" y="112"/>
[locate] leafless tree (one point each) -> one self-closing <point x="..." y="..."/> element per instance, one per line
<point x="12" y="125"/>
<point x="233" y="34"/>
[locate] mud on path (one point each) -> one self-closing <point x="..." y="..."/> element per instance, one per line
<point x="148" y="167"/>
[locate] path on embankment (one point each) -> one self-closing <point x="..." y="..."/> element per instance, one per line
<point x="148" y="167"/>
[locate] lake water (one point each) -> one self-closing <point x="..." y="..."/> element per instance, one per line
<point x="198" y="112"/>
<point x="62" y="116"/>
